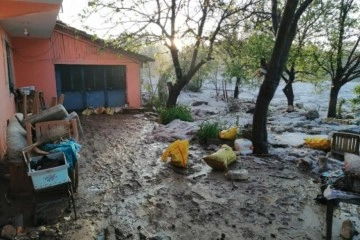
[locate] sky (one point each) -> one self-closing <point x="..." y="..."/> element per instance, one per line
<point x="70" y="10"/>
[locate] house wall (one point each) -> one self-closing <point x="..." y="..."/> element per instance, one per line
<point x="35" y="61"/>
<point x="7" y="106"/>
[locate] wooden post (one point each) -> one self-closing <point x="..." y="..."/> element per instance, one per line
<point x="36" y="102"/>
<point x="25" y="105"/>
<point x="53" y="101"/>
<point x="61" y="99"/>
<point x="329" y="218"/>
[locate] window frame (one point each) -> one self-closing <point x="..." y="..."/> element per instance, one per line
<point x="10" y="81"/>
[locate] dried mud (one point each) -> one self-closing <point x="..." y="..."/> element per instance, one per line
<point x="126" y="192"/>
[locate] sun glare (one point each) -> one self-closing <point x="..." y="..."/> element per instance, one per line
<point x="178" y="43"/>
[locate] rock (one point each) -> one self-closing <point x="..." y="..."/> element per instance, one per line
<point x="290" y="108"/>
<point x="323" y="164"/>
<point x="198" y="103"/>
<point x="304" y="164"/>
<point x="349" y="116"/>
<point x="244" y="146"/>
<point x="299" y="105"/>
<point x="237" y="175"/>
<point x="312" y="114"/>
<point x="8" y="232"/>
<point x="347" y="229"/>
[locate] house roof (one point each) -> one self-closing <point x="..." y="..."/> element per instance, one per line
<point x="63" y="27"/>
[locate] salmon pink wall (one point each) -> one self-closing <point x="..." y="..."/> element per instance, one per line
<point x="34" y="65"/>
<point x="7" y="102"/>
<point x="73" y="50"/>
<point x="34" y="61"/>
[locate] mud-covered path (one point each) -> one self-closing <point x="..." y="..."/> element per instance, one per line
<point x="126" y="192"/>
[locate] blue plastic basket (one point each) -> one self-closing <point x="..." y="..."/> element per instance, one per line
<point x="49" y="177"/>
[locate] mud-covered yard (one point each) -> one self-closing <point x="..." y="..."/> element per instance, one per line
<point x="126" y="192"/>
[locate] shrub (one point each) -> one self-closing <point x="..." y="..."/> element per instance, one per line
<point x="356" y="101"/>
<point x="340" y="108"/>
<point x="208" y="130"/>
<point x="178" y="112"/>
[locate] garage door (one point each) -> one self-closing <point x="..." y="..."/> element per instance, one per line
<point x="87" y="86"/>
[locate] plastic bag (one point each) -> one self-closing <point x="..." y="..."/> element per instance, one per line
<point x="178" y="152"/>
<point x="244" y="146"/>
<point x="221" y="159"/>
<point x="321" y="143"/>
<point x="228" y="134"/>
<point x="352" y="163"/>
<point x="331" y="193"/>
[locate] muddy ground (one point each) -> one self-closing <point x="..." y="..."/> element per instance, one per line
<point x="126" y="192"/>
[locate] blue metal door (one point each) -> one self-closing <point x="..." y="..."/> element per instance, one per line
<point x="86" y="86"/>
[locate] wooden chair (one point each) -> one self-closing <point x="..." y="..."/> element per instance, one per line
<point x="342" y="142"/>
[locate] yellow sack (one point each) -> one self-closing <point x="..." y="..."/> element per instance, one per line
<point x="221" y="159"/>
<point x="110" y="111"/>
<point x="99" y="110"/>
<point x="321" y="143"/>
<point x="178" y="152"/>
<point x="88" y="111"/>
<point x="228" y="134"/>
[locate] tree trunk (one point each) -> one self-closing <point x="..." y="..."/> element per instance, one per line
<point x="174" y="93"/>
<point x="288" y="89"/>
<point x="284" y="38"/>
<point x="289" y="93"/>
<point x="260" y="118"/>
<point x="334" y="91"/>
<point x="236" y="91"/>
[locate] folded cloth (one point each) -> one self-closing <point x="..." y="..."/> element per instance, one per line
<point x="70" y="148"/>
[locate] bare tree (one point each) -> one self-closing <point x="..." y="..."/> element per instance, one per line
<point x="195" y="22"/>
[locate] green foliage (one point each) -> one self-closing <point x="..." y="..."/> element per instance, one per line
<point x="208" y="130"/>
<point x="158" y="95"/>
<point x="243" y="55"/>
<point x="356" y="101"/>
<point x="155" y="76"/>
<point x="195" y="84"/>
<point x="339" y="108"/>
<point x="178" y="112"/>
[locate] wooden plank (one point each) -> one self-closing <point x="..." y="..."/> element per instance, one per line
<point x="28" y="133"/>
<point x="36" y="103"/>
<point x="53" y="101"/>
<point x="61" y="99"/>
<point x="25" y="105"/>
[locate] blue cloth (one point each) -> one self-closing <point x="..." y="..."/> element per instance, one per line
<point x="70" y="148"/>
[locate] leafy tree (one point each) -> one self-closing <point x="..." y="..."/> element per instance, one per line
<point x="341" y="59"/>
<point x="300" y="63"/>
<point x="242" y="54"/>
<point x="285" y="35"/>
<point x="202" y="74"/>
<point x="138" y="22"/>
